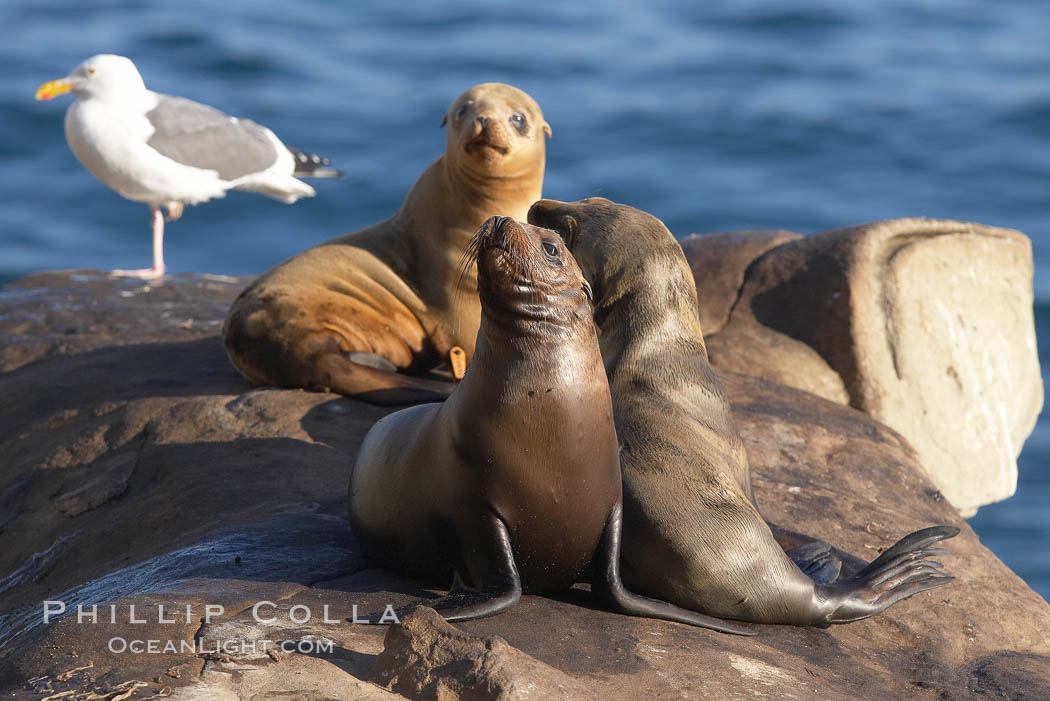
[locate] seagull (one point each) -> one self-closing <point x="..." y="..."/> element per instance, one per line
<point x="168" y="151"/>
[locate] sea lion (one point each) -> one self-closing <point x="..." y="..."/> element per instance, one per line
<point x="346" y="315"/>
<point x="692" y="533"/>
<point x="513" y="483"/>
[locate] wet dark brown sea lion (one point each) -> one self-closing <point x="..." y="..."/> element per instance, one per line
<point x="513" y="483"/>
<point x="346" y="315"/>
<point x="692" y="533"/>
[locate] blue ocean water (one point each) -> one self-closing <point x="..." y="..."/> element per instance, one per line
<point x="803" y="115"/>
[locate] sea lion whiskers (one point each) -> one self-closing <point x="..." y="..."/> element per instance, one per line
<point x="466" y="262"/>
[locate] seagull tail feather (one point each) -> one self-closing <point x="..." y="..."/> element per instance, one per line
<point x="310" y="165"/>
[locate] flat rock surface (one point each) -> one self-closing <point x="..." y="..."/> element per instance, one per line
<point x="79" y="310"/>
<point x="144" y="471"/>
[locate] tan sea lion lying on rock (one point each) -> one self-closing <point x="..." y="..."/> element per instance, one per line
<point x="351" y="314"/>
<point x="692" y="532"/>
<point x="513" y="483"/>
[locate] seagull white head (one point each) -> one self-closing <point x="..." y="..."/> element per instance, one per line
<point x="102" y="76"/>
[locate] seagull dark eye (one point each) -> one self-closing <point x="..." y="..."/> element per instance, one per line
<point x="90" y="71"/>
<point x="550" y="250"/>
<point x="519" y="122"/>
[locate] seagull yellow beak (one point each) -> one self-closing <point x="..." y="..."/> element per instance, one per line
<point x="53" y="88"/>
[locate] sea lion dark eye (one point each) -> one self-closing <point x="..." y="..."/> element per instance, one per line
<point x="461" y="111"/>
<point x="550" y="250"/>
<point x="519" y="122"/>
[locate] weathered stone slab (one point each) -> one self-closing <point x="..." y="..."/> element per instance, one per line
<point x="926" y="325"/>
<point x="237" y="497"/>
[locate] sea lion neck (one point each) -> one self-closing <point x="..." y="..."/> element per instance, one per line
<point x="476" y="199"/>
<point x="533" y="325"/>
<point x="486" y="194"/>
<point x="647" y="299"/>
<point x="507" y="348"/>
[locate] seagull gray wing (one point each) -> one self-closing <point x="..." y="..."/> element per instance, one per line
<point x="203" y="137"/>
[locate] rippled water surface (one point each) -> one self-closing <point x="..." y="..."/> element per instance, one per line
<point x="800" y="115"/>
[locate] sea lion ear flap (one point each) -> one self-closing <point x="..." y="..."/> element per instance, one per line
<point x="444" y="120"/>
<point x="570" y="225"/>
<point x="547" y="129"/>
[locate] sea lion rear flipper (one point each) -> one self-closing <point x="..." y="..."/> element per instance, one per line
<point x="816" y="561"/>
<point x="900" y="572"/>
<point x="801" y="548"/>
<point x="609" y="587"/>
<point x="911" y="544"/>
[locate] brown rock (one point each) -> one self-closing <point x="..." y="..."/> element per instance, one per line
<point x="78" y="310"/>
<point x="1011" y="676"/>
<point x="719" y="262"/>
<point x="926" y="325"/>
<point x="238" y="496"/>
<point x="426" y="658"/>
<point x="748" y="347"/>
<point x="110" y="483"/>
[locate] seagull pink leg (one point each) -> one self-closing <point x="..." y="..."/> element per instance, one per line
<point x="157" y="218"/>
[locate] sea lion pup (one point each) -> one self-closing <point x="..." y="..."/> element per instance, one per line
<point x="513" y="483"/>
<point x="346" y="315"/>
<point x="692" y="533"/>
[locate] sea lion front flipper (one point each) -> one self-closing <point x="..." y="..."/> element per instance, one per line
<point x="901" y="571"/>
<point x="337" y="372"/>
<point x="609" y="587"/>
<point x="492" y="562"/>
<point x="372" y="360"/>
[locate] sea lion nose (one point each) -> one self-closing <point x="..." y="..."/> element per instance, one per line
<point x="484" y="122"/>
<point x="493" y="226"/>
